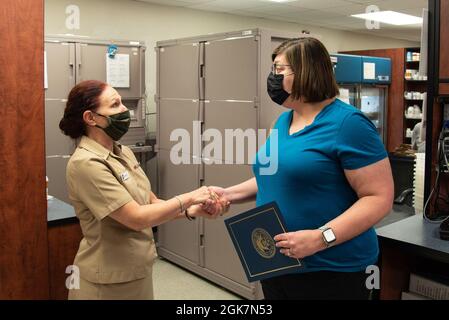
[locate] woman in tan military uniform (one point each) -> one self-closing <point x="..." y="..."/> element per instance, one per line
<point x="113" y="200"/>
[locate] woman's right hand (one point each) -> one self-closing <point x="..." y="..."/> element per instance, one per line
<point x="220" y="206"/>
<point x="201" y="195"/>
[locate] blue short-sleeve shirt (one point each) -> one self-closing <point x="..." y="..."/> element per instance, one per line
<point x="310" y="186"/>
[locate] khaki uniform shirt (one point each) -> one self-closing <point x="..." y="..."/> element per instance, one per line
<point x="99" y="182"/>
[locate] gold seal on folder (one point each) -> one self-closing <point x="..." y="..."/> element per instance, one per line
<point x="263" y="243"/>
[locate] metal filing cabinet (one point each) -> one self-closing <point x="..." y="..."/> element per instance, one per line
<point x="219" y="81"/>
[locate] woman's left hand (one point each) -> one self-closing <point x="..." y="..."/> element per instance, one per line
<point x="198" y="211"/>
<point x="300" y="244"/>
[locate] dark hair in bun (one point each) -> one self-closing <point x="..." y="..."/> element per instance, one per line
<point x="84" y="96"/>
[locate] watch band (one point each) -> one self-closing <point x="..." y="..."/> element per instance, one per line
<point x="324" y="229"/>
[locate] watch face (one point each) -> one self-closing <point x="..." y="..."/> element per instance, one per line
<point x="329" y="235"/>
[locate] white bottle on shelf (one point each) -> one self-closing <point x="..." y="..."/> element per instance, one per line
<point x="408" y="133"/>
<point x="409" y="56"/>
<point x="416" y="111"/>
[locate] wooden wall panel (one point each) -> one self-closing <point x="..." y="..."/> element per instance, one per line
<point x="444" y="44"/>
<point x="63" y="243"/>
<point x="23" y="212"/>
<point x="444" y="87"/>
<point x="395" y="272"/>
<point x="395" y="113"/>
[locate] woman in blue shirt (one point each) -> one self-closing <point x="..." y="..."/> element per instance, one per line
<point x="333" y="181"/>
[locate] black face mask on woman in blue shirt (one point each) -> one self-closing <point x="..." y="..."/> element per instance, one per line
<point x="275" y="89"/>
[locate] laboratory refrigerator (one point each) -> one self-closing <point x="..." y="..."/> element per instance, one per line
<point x="363" y="83"/>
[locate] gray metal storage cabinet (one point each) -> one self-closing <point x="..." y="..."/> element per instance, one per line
<point x="220" y="81"/>
<point x="70" y="61"/>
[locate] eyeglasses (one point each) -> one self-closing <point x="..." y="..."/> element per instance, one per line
<point x="279" y="68"/>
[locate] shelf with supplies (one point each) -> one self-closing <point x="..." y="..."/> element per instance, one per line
<point x="414" y="96"/>
<point x="416" y="80"/>
<point x="412" y="75"/>
<point x="415" y="87"/>
<point x="414" y="117"/>
<point x="413" y="55"/>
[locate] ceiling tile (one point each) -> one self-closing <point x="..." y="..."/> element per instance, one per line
<point x="248" y="13"/>
<point x="399" y="4"/>
<point x="230" y="5"/>
<point x="318" y="14"/>
<point x="314" y="4"/>
<point x="277" y="9"/>
<point x="346" y="10"/>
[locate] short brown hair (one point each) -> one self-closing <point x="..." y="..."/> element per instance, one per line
<point x="314" y="78"/>
<point x="84" y="96"/>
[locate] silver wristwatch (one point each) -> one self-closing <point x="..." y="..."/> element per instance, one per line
<point x="328" y="236"/>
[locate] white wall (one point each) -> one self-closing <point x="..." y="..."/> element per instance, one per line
<point x="131" y="20"/>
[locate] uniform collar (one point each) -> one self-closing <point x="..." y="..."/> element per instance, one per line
<point x="94" y="147"/>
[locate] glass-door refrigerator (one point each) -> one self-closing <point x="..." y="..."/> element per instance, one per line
<point x="373" y="104"/>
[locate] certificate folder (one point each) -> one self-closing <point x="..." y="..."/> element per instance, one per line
<point x="252" y="233"/>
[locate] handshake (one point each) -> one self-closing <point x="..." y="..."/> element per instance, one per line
<point x="209" y="202"/>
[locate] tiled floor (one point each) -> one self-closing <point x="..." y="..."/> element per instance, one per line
<point x="175" y="283"/>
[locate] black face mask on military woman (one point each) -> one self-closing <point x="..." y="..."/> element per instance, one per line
<point x="275" y="89"/>
<point x="118" y="124"/>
